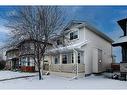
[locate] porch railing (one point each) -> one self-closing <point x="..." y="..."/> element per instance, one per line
<point x="67" y="68"/>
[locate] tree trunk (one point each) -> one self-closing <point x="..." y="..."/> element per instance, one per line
<point x="40" y="75"/>
<point x="40" y="71"/>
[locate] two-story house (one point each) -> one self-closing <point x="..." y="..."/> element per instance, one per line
<point x="22" y="57"/>
<point x="86" y="51"/>
<point x="26" y="52"/>
<point x="12" y="59"/>
<point x="122" y="42"/>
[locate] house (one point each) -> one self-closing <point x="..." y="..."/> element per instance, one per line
<point x="82" y="51"/>
<point x="86" y="51"/>
<point x="26" y="53"/>
<point x="12" y="59"/>
<point x="22" y="57"/>
<point x="122" y="42"/>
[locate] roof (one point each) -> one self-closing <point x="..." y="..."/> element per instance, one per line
<point x="120" y="41"/>
<point x="122" y="24"/>
<point x="69" y="47"/>
<point x="12" y="49"/>
<point x="87" y="25"/>
<point x="29" y="40"/>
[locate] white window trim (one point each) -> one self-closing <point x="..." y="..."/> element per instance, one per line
<point x="73" y="30"/>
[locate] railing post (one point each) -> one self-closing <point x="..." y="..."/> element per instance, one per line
<point x="50" y="62"/>
<point x="60" y="62"/>
<point x="75" y="61"/>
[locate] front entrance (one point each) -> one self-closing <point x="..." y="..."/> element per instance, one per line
<point x="97" y="60"/>
<point x="15" y="64"/>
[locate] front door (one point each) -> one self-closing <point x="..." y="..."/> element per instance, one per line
<point x="99" y="60"/>
<point x="15" y="63"/>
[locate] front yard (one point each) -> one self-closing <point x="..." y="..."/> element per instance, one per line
<point x="55" y="82"/>
<point x="11" y="74"/>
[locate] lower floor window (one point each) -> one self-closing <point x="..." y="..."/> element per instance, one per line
<point x="56" y="60"/>
<point x="67" y="58"/>
<point x="26" y="61"/>
<point x="64" y="59"/>
<point x="78" y="57"/>
<point x="72" y="58"/>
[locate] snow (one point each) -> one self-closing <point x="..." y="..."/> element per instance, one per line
<point x="56" y="82"/>
<point x="120" y="40"/>
<point x="11" y="74"/>
<point x="69" y="47"/>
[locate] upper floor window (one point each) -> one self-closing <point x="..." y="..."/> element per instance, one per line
<point x="31" y="46"/>
<point x="74" y="35"/>
<point x="59" y="42"/>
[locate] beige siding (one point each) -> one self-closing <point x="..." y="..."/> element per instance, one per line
<point x="67" y="68"/>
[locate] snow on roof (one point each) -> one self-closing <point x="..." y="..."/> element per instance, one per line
<point x="120" y="40"/>
<point x="70" y="47"/>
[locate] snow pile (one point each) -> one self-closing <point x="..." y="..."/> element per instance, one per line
<point x="55" y="82"/>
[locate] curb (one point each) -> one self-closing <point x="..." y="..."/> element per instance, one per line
<point x="17" y="78"/>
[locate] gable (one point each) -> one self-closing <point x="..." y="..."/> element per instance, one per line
<point x="80" y="24"/>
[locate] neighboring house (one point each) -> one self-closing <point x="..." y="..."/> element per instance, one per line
<point x="22" y="58"/>
<point x="26" y="53"/>
<point x="86" y="51"/>
<point x="122" y="42"/>
<point x="12" y="59"/>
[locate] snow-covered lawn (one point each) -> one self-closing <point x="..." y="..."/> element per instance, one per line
<point x="55" y="82"/>
<point x="11" y="74"/>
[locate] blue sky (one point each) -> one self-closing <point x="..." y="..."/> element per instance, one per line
<point x="103" y="18"/>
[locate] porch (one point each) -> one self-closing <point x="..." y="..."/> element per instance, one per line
<point x="12" y="64"/>
<point x="66" y="70"/>
<point x="67" y="63"/>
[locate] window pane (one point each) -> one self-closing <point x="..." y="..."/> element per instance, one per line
<point x="56" y="60"/>
<point x="28" y="61"/>
<point x="59" y="42"/>
<point x="64" y="59"/>
<point x="71" y="36"/>
<point x="78" y="57"/>
<point x="72" y="58"/>
<point x="74" y="35"/>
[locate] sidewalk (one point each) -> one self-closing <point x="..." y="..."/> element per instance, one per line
<point x="17" y="77"/>
<point x="10" y="75"/>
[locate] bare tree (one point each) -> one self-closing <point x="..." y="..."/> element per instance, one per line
<point x="40" y="23"/>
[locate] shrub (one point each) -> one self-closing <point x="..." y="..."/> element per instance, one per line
<point x="2" y="64"/>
